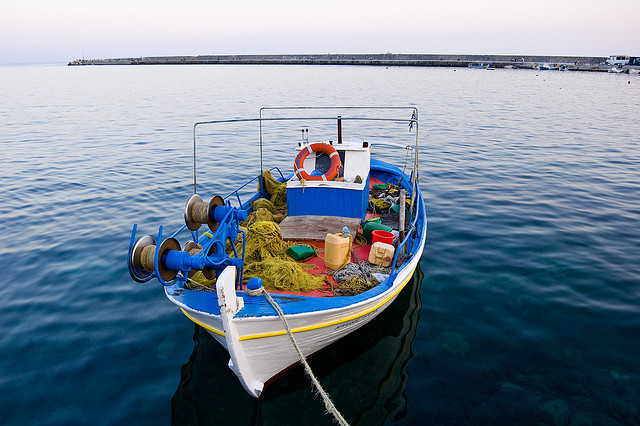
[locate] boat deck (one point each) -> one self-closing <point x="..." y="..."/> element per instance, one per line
<point x="312" y="230"/>
<point x="315" y="228"/>
<point x="317" y="261"/>
<point x="324" y="297"/>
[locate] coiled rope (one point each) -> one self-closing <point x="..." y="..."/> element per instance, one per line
<point x="328" y="404"/>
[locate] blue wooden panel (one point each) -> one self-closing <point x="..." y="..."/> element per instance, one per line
<point x="325" y="201"/>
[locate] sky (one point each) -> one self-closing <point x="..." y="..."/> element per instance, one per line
<point x="49" y="31"/>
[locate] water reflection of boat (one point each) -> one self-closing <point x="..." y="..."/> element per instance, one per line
<point x="366" y="375"/>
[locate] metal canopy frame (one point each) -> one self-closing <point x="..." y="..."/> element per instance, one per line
<point x="413" y="121"/>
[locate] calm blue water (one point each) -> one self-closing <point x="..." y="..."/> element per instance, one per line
<point x="526" y="309"/>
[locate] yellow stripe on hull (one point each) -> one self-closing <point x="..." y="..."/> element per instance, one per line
<point x="203" y="325"/>
<point x="311" y="327"/>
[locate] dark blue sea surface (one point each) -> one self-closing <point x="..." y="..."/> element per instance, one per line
<point x="525" y="308"/>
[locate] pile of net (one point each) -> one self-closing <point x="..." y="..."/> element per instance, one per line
<point x="199" y="282"/>
<point x="261" y="214"/>
<point x="265" y="250"/>
<point x="351" y="280"/>
<point x="277" y="202"/>
<point x="384" y="196"/>
<point x="266" y="257"/>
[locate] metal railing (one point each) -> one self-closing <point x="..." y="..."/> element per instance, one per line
<point x="406" y="243"/>
<point x="413" y="121"/>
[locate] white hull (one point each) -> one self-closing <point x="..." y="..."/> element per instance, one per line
<point x="260" y="348"/>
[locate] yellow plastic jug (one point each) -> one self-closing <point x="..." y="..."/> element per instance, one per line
<point x="336" y="251"/>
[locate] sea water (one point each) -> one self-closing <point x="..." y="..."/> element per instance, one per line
<point x="525" y="308"/>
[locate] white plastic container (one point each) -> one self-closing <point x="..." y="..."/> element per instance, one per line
<point x="381" y="254"/>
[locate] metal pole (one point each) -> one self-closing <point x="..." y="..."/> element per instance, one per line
<point x="402" y="212"/>
<point x="194" y="159"/>
<point x="261" y="179"/>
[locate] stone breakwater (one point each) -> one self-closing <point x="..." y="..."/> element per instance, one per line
<point x="388" y="59"/>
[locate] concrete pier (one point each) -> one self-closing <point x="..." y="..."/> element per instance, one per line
<point x="386" y="59"/>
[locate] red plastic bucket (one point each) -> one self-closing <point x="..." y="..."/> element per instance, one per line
<point x="382" y="236"/>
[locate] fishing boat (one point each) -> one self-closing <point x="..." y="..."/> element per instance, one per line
<point x="547" y="67"/>
<point x="344" y="202"/>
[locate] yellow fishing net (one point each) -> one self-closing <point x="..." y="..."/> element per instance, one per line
<point x="355" y="285"/>
<point x="381" y="197"/>
<point x="277" y="191"/>
<point x="380" y="203"/>
<point x="264" y="240"/>
<point x="282" y="274"/>
<point x="261" y="214"/>
<point x="266" y="257"/>
<point x="265" y="250"/>
<point x="263" y="203"/>
<point x="199" y="282"/>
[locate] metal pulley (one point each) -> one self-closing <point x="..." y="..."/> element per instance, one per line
<point x="198" y="212"/>
<point x="145" y="256"/>
<point x="195" y="249"/>
<point x="139" y="269"/>
<point x="164" y="262"/>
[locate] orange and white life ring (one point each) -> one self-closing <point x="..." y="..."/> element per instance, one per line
<point x="298" y="165"/>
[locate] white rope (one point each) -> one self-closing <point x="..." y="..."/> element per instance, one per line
<point x="328" y="404"/>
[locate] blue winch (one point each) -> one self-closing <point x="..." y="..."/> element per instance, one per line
<point x="169" y="263"/>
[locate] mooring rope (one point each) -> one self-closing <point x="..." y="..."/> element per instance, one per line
<point x="328" y="404"/>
